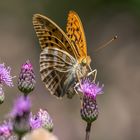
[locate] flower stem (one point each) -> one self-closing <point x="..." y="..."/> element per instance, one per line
<point x="88" y="128"/>
<point x="20" y="137"/>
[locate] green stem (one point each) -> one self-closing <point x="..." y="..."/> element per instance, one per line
<point x="20" y="137"/>
<point x="88" y="128"/>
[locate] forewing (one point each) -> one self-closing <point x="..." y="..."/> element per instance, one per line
<point x="75" y="33"/>
<point x="50" y="34"/>
<point x="55" y="67"/>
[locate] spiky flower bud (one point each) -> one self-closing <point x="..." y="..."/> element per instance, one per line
<point x="46" y="119"/>
<point x="89" y="109"/>
<point x="2" y="95"/>
<point x="26" y="81"/>
<point x="41" y="120"/>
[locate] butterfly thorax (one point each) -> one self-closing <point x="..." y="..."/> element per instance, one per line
<point x="84" y="65"/>
<point x="81" y="69"/>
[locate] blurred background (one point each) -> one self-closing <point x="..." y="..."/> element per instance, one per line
<point x="118" y="65"/>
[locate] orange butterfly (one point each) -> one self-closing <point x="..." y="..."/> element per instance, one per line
<point x="63" y="59"/>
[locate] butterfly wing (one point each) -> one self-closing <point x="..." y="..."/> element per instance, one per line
<point x="75" y="33"/>
<point x="57" y="57"/>
<point x="56" y="68"/>
<point x="50" y="34"/>
<point x="59" y="54"/>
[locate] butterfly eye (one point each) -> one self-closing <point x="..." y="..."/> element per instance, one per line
<point x="84" y="62"/>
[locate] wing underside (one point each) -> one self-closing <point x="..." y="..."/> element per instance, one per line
<point x="50" y="34"/>
<point x="56" y="67"/>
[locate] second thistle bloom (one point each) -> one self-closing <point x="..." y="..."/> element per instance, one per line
<point x="26" y="81"/>
<point x="5" y="75"/>
<point x="21" y="105"/>
<point x="6" y="129"/>
<point x="20" y="115"/>
<point x="41" y="120"/>
<point x="89" y="108"/>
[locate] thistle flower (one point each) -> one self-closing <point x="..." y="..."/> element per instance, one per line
<point x="2" y="96"/>
<point x="41" y="119"/>
<point x="89" y="109"/>
<point x="5" y="75"/>
<point x="20" y="115"/>
<point x="6" y="129"/>
<point x="22" y="105"/>
<point x="46" y="119"/>
<point x="89" y="88"/>
<point x="26" y="81"/>
<point x="35" y="121"/>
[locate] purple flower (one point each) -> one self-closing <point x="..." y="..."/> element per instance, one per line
<point x="35" y="121"/>
<point x="6" y="129"/>
<point x="20" y="115"/>
<point x="89" y="88"/>
<point x="27" y="66"/>
<point x="41" y="119"/>
<point x="21" y="106"/>
<point x="89" y="109"/>
<point x="26" y="81"/>
<point x="5" y="76"/>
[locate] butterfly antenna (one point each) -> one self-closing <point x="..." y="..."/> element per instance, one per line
<point x="105" y="45"/>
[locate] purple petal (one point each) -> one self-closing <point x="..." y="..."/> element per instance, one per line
<point x="5" y="76"/>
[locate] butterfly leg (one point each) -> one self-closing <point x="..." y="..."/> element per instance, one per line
<point x="78" y="93"/>
<point x="76" y="86"/>
<point x="93" y="72"/>
<point x="78" y="78"/>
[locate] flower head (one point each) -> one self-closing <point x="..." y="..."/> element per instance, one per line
<point x="35" y="121"/>
<point x="26" y="81"/>
<point x="20" y="115"/>
<point x="6" y="129"/>
<point x="89" y="109"/>
<point x="41" y="119"/>
<point x="5" y="75"/>
<point x="27" y="66"/>
<point x="21" y="106"/>
<point x="89" y="88"/>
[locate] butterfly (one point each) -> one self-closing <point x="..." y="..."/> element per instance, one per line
<point x="63" y="58"/>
